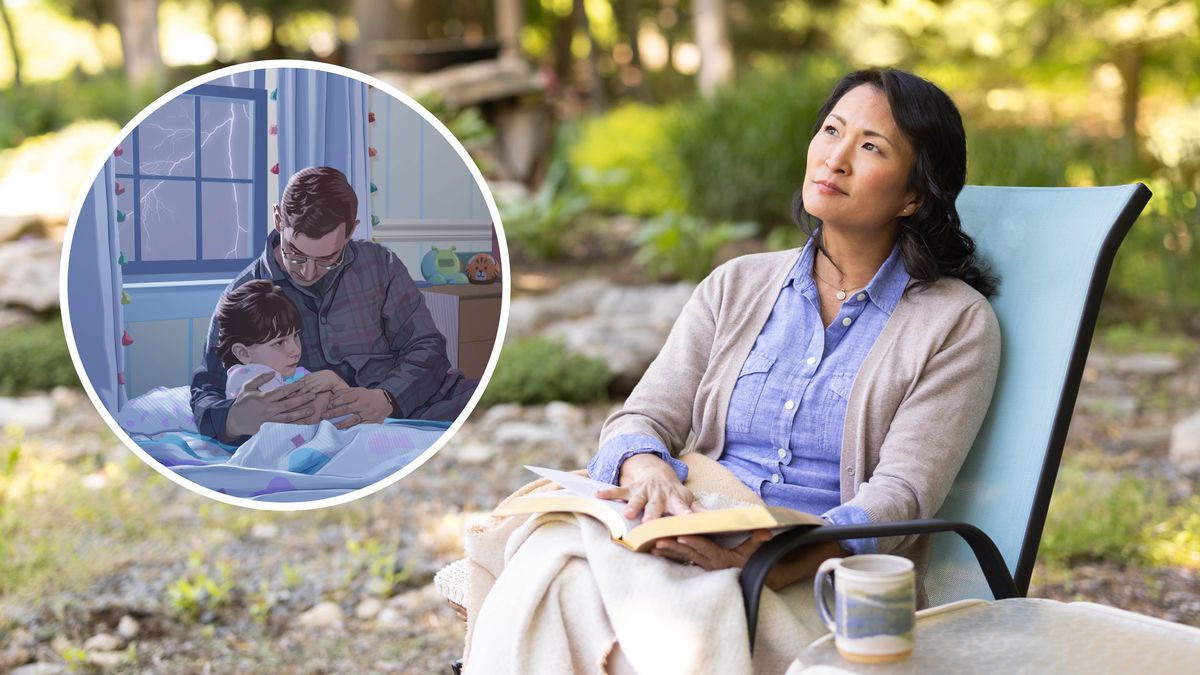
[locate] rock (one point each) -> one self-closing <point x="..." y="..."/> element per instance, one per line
<point x="33" y="413"/>
<point x="128" y="627"/>
<point x="104" y="642"/>
<point x="12" y="318"/>
<point x="1122" y="406"/>
<point x="526" y="433"/>
<point x="17" y="226"/>
<point x="14" y="656"/>
<point x="40" y="669"/>
<point x="29" y="274"/>
<point x="564" y="415"/>
<point x="60" y="644"/>
<point x="473" y="452"/>
<point x="1185" y="444"/>
<point x="368" y="608"/>
<point x="501" y="412"/>
<point x="389" y="617"/>
<point x="322" y="615"/>
<point x="264" y="531"/>
<point x="106" y="659"/>
<point x="1148" y="364"/>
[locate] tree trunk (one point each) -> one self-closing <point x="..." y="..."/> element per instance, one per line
<point x="627" y="18"/>
<point x="597" y="97"/>
<point x="716" y="54"/>
<point x="1129" y="62"/>
<point x="510" y="17"/>
<point x="12" y="43"/>
<point x="138" y="20"/>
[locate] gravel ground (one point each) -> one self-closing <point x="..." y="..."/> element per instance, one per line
<point x="369" y="565"/>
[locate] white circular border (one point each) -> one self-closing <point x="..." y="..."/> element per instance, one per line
<point x="446" y="435"/>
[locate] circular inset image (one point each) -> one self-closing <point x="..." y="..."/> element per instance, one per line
<point x="286" y="286"/>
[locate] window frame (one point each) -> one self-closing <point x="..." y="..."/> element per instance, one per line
<point x="257" y="97"/>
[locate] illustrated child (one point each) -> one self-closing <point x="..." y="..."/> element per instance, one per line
<point x="258" y="331"/>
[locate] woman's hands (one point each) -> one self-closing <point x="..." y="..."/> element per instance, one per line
<point x="649" y="483"/>
<point x="704" y="552"/>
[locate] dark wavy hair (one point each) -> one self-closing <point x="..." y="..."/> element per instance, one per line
<point x="932" y="241"/>
<point x="251" y="314"/>
<point x="318" y="199"/>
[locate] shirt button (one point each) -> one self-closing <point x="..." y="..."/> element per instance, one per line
<point x="789" y="405"/>
<point x="862" y="296"/>
<point x="775" y="478"/>
<point x="850" y="470"/>
<point x="812" y="360"/>
<point x="846" y="321"/>
<point x="782" y="453"/>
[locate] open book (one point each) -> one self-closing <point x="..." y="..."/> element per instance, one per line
<point x="577" y="496"/>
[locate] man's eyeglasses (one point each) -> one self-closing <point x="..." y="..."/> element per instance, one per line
<point x="294" y="258"/>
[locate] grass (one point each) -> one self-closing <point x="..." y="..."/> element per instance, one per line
<point x="1144" y="337"/>
<point x="1101" y="513"/>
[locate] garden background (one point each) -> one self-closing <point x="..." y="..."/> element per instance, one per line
<point x="666" y="136"/>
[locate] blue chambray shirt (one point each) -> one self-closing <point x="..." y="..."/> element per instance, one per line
<point x="783" y="430"/>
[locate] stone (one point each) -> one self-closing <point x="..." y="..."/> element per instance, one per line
<point x="1121" y="406"/>
<point x="1185" y="444"/>
<point x="106" y="660"/>
<point x="501" y="412"/>
<point x="526" y="433"/>
<point x="29" y="274"/>
<point x="564" y="415"/>
<point x="368" y="608"/>
<point x="13" y="318"/>
<point x="40" y="669"/>
<point x="322" y="615"/>
<point x="389" y="617"/>
<point x="104" y="642"/>
<point x="128" y="627"/>
<point x="32" y="413"/>
<point x="471" y="452"/>
<point x="377" y="587"/>
<point x="14" y="656"/>
<point x="264" y="531"/>
<point x="60" y="644"/>
<point x="1148" y="364"/>
<point x="17" y="226"/>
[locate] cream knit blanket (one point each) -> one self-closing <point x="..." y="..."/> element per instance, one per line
<point x="553" y="594"/>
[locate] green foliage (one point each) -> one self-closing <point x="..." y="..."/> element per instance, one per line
<point x="199" y="593"/>
<point x="540" y="370"/>
<point x="35" y="358"/>
<point x="1147" y="336"/>
<point x="678" y="246"/>
<point x="1159" y="261"/>
<point x="538" y="225"/>
<point x="1176" y="540"/>
<point x="625" y="160"/>
<point x="375" y="560"/>
<point x="41" y="107"/>
<point x="1099" y="514"/>
<point x="745" y="150"/>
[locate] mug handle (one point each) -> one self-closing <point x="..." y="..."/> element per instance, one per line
<point x="820" y="581"/>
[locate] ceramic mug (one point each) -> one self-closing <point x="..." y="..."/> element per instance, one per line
<point x="874" y="614"/>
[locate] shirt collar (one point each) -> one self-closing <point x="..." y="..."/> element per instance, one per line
<point x="884" y="290"/>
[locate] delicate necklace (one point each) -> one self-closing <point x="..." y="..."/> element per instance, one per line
<point x="841" y="292"/>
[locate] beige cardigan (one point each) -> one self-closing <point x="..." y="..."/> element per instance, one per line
<point x="914" y="409"/>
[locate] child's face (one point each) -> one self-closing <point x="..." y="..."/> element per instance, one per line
<point x="281" y="354"/>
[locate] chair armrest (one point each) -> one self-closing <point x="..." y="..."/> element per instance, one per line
<point x="754" y="574"/>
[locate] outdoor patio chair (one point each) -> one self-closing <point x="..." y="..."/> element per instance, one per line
<point x="1052" y="248"/>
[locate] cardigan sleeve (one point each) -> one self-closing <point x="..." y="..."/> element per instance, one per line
<point x="934" y="426"/>
<point x="661" y="405"/>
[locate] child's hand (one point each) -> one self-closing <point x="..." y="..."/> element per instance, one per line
<point x="323" y="380"/>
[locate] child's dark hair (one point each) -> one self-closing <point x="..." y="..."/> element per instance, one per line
<point x="251" y="314"/>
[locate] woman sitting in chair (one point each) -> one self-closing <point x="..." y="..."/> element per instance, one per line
<point x="847" y="379"/>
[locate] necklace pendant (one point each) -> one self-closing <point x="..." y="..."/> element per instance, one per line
<point x="841" y="295"/>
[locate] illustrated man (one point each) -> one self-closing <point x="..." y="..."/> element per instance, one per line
<point x="361" y="317"/>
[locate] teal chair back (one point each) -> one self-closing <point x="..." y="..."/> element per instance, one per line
<point x="1052" y="249"/>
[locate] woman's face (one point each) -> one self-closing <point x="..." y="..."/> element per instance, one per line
<point x="858" y="164"/>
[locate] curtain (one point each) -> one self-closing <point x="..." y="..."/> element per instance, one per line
<point x="323" y="122"/>
<point x="94" y="312"/>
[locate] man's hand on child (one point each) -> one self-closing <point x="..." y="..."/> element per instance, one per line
<point x="364" y="405"/>
<point x="253" y="407"/>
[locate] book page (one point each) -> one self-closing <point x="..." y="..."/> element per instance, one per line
<point x="582" y="486"/>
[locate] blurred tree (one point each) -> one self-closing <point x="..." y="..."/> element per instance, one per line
<point x="279" y="11"/>
<point x="11" y="34"/>
<point x="138" y="24"/>
<point x="716" y="54"/>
